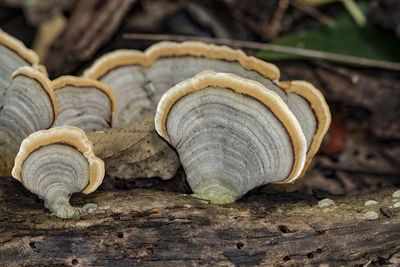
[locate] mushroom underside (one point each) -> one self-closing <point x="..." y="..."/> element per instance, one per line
<point x="54" y="172"/>
<point x="228" y="143"/>
<point x="27" y="109"/>
<point x="86" y="108"/>
<point x="9" y="62"/>
<point x="138" y="90"/>
<point x="134" y="83"/>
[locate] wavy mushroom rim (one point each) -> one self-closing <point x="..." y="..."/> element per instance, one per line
<point x="83" y="83"/>
<point x="120" y="58"/>
<point x="19" y="48"/>
<point x="42" y="79"/>
<point x="42" y="68"/>
<point x="243" y="86"/>
<point x="320" y="109"/>
<point x="68" y="135"/>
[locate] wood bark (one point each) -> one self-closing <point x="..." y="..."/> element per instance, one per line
<point x="154" y="228"/>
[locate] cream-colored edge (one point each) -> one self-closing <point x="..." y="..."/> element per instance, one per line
<point x="243" y="86"/>
<point x="81" y="82"/>
<point x="18" y="47"/>
<point x="320" y="109"/>
<point x="168" y="49"/>
<point x="72" y="136"/>
<point x="42" y="79"/>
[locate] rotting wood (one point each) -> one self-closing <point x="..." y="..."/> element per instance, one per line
<point x="153" y="228"/>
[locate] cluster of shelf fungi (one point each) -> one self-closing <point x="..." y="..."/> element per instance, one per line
<point x="234" y="125"/>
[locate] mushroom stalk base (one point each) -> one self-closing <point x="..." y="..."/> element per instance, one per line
<point x="63" y="209"/>
<point x="217" y="194"/>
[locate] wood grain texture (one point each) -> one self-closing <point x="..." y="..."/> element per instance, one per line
<point x="152" y="228"/>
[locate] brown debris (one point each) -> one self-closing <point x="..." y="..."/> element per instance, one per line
<point x="135" y="151"/>
<point x="387" y="212"/>
<point x="91" y="24"/>
<point x="386" y="14"/>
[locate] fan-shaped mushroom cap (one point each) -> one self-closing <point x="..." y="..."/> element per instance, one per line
<point x="231" y="135"/>
<point x="57" y="162"/>
<point x="29" y="106"/>
<point x="140" y="78"/>
<point x="315" y="123"/>
<point x="83" y="103"/>
<point x="13" y="55"/>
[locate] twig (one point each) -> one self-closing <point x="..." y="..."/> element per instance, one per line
<point x="308" y="53"/>
<point x="273" y="29"/>
<point x="313" y="12"/>
<point x="355" y="12"/>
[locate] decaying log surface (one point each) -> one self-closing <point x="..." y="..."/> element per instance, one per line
<point x="135" y="151"/>
<point x="154" y="228"/>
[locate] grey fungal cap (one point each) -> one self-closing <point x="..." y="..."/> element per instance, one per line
<point x="84" y="103"/>
<point x="13" y="55"/>
<point x="29" y="106"/>
<point x="139" y="80"/>
<point x="56" y="163"/>
<point x="231" y="135"/>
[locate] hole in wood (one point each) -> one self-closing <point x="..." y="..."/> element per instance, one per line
<point x="284" y="229"/>
<point x="286" y="258"/>
<point x="74" y="261"/>
<point x="239" y="245"/>
<point x="32" y="244"/>
<point x="320" y="232"/>
<point x="120" y="235"/>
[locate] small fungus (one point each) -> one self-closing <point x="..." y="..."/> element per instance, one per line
<point x="325" y="203"/>
<point x="370" y="215"/>
<point x="56" y="163"/>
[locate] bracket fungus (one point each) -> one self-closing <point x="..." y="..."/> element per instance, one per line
<point x="84" y="103"/>
<point x="139" y="80"/>
<point x="231" y="135"/>
<point x="29" y="106"/>
<point x="13" y="55"/>
<point x="314" y="122"/>
<point x="56" y="163"/>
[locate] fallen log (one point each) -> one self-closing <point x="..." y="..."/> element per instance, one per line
<point x="155" y="228"/>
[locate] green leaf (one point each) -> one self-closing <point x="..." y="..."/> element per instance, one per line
<point x="345" y="37"/>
